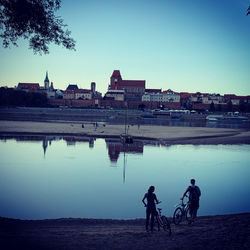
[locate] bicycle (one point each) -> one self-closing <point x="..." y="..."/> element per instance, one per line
<point x="182" y="210"/>
<point x="162" y="221"/>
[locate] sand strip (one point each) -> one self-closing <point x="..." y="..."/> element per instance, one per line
<point x="166" y="134"/>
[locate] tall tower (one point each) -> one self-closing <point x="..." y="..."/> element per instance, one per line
<point x="115" y="79"/>
<point x="93" y="84"/>
<point x="46" y="81"/>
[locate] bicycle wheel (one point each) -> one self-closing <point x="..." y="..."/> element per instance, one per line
<point x="188" y="214"/>
<point x="177" y="216"/>
<point x="166" y="225"/>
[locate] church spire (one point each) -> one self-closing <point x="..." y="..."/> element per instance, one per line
<point x="46" y="81"/>
<point x="46" y="78"/>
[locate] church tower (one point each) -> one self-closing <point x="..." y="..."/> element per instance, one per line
<point x="115" y="79"/>
<point x="93" y="91"/>
<point x="46" y="81"/>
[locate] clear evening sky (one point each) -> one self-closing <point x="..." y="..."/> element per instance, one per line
<point x="189" y="46"/>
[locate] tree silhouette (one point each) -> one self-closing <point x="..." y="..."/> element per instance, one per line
<point x="34" y="20"/>
<point x="12" y="97"/>
<point x="229" y="106"/>
<point x="248" y="10"/>
<point x="212" y="107"/>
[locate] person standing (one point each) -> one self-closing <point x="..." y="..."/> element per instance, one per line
<point x="194" y="198"/>
<point x="151" y="208"/>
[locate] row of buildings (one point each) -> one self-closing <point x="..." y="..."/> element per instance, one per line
<point x="132" y="94"/>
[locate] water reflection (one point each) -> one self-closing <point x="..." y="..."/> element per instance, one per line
<point x="72" y="181"/>
<point x="114" y="145"/>
<point x="72" y="140"/>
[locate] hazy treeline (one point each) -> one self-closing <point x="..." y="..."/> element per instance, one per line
<point x="11" y="97"/>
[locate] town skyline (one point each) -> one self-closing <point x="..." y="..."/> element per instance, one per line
<point x="87" y="86"/>
<point x="187" y="47"/>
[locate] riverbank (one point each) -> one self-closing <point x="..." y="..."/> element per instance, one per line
<point x="229" y="232"/>
<point x="165" y="134"/>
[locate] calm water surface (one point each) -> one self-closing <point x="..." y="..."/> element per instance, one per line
<point x="48" y="177"/>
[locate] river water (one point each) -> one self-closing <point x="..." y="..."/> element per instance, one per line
<point x="55" y="177"/>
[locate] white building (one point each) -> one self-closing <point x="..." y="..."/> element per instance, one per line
<point x="215" y="98"/>
<point x="165" y="96"/>
<point x="116" y="94"/>
<point x="83" y="94"/>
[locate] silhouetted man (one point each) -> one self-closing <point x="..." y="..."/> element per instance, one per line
<point x="194" y="198"/>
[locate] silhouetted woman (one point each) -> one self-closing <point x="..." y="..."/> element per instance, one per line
<point x="151" y="208"/>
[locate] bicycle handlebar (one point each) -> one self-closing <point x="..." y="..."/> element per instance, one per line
<point x="184" y="197"/>
<point x="155" y="203"/>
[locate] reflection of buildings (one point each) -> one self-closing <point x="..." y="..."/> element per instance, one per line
<point x="115" y="147"/>
<point x="71" y="140"/>
<point x="46" y="140"/>
<point x="45" y="145"/>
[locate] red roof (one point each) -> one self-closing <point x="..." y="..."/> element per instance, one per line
<point x="153" y="90"/>
<point x="69" y="92"/>
<point x="28" y="85"/>
<point x="230" y="95"/>
<point x="116" y="73"/>
<point x="169" y="91"/>
<point x="133" y="83"/>
<point x="243" y="97"/>
<point x="185" y="94"/>
<point x="82" y="91"/>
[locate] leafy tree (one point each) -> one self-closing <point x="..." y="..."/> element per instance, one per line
<point x="229" y="106"/>
<point x="141" y="106"/>
<point x="242" y="106"/>
<point x="12" y="97"/>
<point x="34" y="20"/>
<point x="219" y="107"/>
<point x="212" y="107"/>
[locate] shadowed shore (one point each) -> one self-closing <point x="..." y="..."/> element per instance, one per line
<point x="227" y="232"/>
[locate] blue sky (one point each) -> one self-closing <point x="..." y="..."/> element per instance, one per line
<point x="187" y="46"/>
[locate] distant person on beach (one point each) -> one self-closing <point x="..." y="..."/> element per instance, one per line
<point x="151" y="208"/>
<point x="194" y="198"/>
<point x="96" y="125"/>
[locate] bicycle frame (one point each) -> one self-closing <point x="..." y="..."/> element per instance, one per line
<point x="182" y="210"/>
<point x="158" y="217"/>
<point x="163" y="222"/>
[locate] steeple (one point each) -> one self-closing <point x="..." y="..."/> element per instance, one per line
<point x="46" y="81"/>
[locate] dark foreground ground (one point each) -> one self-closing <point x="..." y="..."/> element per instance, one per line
<point x="208" y="232"/>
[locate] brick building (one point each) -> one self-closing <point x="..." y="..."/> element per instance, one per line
<point x="134" y="89"/>
<point x="28" y="86"/>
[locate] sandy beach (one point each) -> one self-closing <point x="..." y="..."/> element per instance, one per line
<point x="222" y="232"/>
<point x="165" y="134"/>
